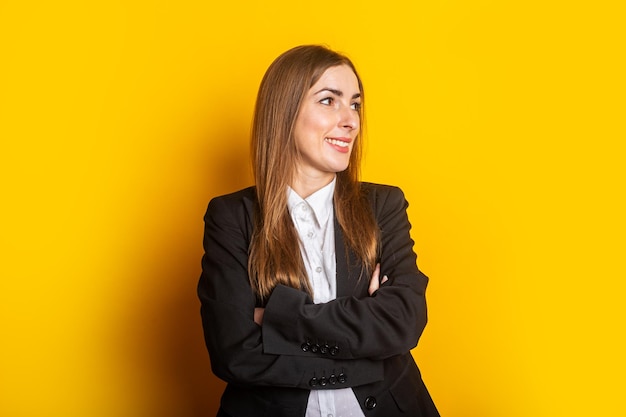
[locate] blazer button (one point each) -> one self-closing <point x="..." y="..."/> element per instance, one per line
<point x="370" y="403"/>
<point x="315" y="348"/>
<point x="332" y="379"/>
<point x="342" y="378"/>
<point x="324" y="349"/>
<point x="323" y="381"/>
<point x="306" y="346"/>
<point x="313" y="382"/>
<point x="334" y="350"/>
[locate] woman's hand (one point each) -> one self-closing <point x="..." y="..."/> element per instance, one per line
<point x="375" y="281"/>
<point x="258" y="315"/>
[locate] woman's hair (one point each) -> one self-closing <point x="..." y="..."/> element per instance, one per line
<point x="274" y="250"/>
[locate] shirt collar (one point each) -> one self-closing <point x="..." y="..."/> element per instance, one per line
<point x="321" y="201"/>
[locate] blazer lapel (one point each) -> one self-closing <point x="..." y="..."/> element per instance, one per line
<point x="348" y="267"/>
<point x="341" y="276"/>
<point x="249" y="202"/>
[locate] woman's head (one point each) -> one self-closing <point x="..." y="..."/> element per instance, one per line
<point x="283" y="95"/>
<point x="308" y="120"/>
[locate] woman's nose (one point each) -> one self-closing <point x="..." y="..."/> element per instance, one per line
<point x="349" y="118"/>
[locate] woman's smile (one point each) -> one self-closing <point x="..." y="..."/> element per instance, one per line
<point x="339" y="144"/>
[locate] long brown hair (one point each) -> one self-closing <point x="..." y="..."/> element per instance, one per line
<point x="274" y="250"/>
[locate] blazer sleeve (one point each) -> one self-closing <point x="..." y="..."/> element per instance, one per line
<point x="359" y="326"/>
<point x="233" y="339"/>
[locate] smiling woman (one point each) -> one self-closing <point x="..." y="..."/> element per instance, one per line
<point x="311" y="296"/>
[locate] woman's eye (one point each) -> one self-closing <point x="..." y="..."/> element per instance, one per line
<point x="356" y="106"/>
<point x="327" y="101"/>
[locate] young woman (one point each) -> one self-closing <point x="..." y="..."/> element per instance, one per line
<point x="311" y="297"/>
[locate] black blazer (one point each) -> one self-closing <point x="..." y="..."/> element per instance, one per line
<point x="354" y="341"/>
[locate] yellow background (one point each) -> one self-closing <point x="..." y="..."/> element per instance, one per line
<point x="503" y="121"/>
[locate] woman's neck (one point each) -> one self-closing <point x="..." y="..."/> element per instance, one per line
<point x="304" y="185"/>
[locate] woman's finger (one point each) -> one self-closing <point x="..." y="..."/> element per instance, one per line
<point x="374" y="283"/>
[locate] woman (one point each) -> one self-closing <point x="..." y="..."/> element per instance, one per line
<point x="296" y="316"/>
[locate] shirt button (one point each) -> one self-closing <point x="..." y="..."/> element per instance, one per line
<point x="370" y="403"/>
<point x="303" y="207"/>
<point x="318" y="269"/>
<point x="310" y="235"/>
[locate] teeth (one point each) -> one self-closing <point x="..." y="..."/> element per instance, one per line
<point x="337" y="142"/>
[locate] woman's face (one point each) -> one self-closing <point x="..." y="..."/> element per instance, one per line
<point x="327" y="125"/>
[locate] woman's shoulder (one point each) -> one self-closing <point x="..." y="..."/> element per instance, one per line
<point x="384" y="198"/>
<point x="237" y="203"/>
<point x="381" y="190"/>
<point x="243" y="194"/>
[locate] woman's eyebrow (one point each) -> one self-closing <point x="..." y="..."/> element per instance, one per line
<point x="338" y="93"/>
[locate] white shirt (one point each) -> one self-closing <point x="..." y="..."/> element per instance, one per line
<point x="314" y="221"/>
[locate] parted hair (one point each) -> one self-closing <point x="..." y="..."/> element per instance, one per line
<point x="274" y="248"/>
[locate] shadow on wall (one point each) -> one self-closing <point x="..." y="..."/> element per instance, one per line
<point x="166" y="328"/>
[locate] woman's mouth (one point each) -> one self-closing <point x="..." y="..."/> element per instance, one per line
<point x="340" y="145"/>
